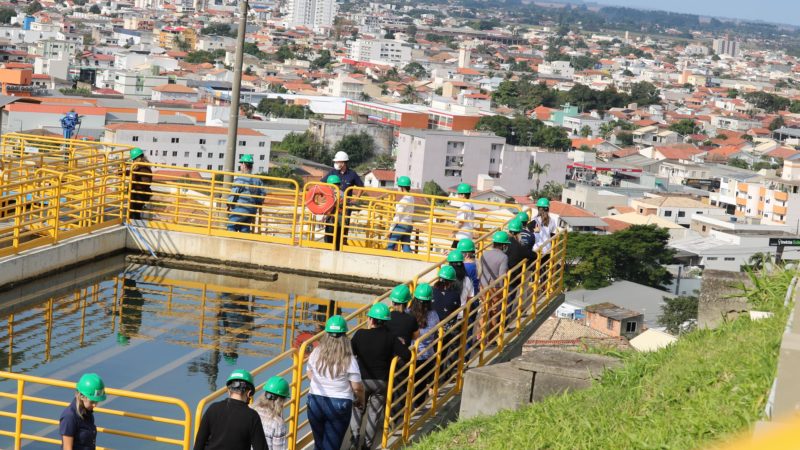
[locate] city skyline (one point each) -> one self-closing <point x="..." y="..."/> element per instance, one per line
<point x="775" y="11"/>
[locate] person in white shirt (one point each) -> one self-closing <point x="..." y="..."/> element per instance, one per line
<point x="544" y="228"/>
<point x="402" y="223"/>
<point x="465" y="217"/>
<point x="335" y="386"/>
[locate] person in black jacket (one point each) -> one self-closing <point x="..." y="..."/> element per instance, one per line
<point x="231" y="424"/>
<point x="374" y="347"/>
<point x="517" y="252"/>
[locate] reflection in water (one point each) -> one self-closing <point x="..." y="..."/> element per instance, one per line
<point x="223" y="323"/>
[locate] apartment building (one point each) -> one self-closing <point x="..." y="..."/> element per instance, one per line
<point x="314" y="14"/>
<point x="677" y="209"/>
<point x="556" y="69"/>
<point x="381" y="51"/>
<point x="141" y="84"/>
<point x="346" y="86"/>
<point x="449" y="158"/>
<point x="172" y="37"/>
<point x="190" y="146"/>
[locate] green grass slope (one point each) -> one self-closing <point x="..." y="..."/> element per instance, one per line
<point x="710" y="384"/>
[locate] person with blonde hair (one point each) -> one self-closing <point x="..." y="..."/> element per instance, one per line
<point x="335" y="386"/>
<point x="270" y="408"/>
<point x="76" y="424"/>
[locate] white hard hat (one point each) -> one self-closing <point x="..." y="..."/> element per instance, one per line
<point x="341" y="156"/>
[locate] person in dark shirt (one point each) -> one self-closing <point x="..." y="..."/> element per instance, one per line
<point x="374" y="348"/>
<point x="347" y="178"/>
<point x="517" y="252"/>
<point x="446" y="299"/>
<point x="76" y="425"/>
<point x="402" y="324"/>
<point x="231" y="424"/>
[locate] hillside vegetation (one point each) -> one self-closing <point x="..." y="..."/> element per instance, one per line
<point x="709" y="385"/>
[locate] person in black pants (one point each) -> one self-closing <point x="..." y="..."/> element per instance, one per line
<point x="446" y="299"/>
<point x="231" y="424"/>
<point x="374" y="347"/>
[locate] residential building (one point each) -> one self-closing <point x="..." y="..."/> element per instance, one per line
<point x="211" y="43"/>
<point x="313" y="14"/>
<point x="652" y="135"/>
<point x="141" y="84"/>
<point x="381" y="51"/>
<point x="556" y="69"/>
<point x="380" y="178"/>
<point x="725" y="47"/>
<point x="449" y="158"/>
<point x="54" y="67"/>
<point x="56" y="49"/>
<point x="682" y="173"/>
<point x="190" y="146"/>
<point x="678" y="209"/>
<point x="174" y="93"/>
<point x="614" y="320"/>
<point x="177" y="38"/>
<point x="346" y="86"/>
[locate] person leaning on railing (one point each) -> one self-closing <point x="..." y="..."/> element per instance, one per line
<point x="402" y="223"/>
<point x="544" y="228"/>
<point x="76" y="425"/>
<point x="427" y="318"/>
<point x="374" y="348"/>
<point x="465" y="216"/>
<point x="347" y="178"/>
<point x="270" y="408"/>
<point x="493" y="265"/>
<point x="335" y="386"/>
<point x="141" y="178"/>
<point x="247" y="194"/>
<point x="231" y="424"/>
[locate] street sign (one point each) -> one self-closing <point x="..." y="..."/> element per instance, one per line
<point x="784" y="242"/>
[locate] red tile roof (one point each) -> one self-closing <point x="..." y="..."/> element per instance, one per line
<point x="565" y="210"/>
<point x="615" y="225"/>
<point x="780" y="152"/>
<point x="175" y="89"/>
<point x="383" y="174"/>
<point x="589" y="142"/>
<point x="680" y="151"/>
<point x="55" y="109"/>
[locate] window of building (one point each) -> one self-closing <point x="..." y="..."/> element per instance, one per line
<point x="712" y="258"/>
<point x="730" y="258"/>
<point x="221" y="155"/>
<point x="221" y="142"/>
<point x="210" y="155"/>
<point x="185" y="154"/>
<point x="175" y="140"/>
<point x="155" y="139"/>
<point x="185" y="165"/>
<point x="242" y="143"/>
<point x="630" y="327"/>
<point x="261" y="157"/>
<point x="262" y="144"/>
<point x="610" y="324"/>
<point x="208" y="167"/>
<point x="681" y="213"/>
<point x="163" y="153"/>
<point x="202" y="142"/>
<point x="704" y="228"/>
<point x="135" y="139"/>
<point x="667" y="213"/>
<point x="199" y="154"/>
<point x="219" y="167"/>
<point x="174" y="153"/>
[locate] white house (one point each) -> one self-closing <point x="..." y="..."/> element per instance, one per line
<point x="383" y="51"/>
<point x="173" y="93"/>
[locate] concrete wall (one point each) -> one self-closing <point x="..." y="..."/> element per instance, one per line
<point x="275" y="256"/>
<point x="720" y="297"/>
<point x="332" y="131"/>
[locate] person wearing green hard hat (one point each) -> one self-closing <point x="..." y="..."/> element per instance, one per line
<point x="544" y="227"/>
<point x="402" y="324"/>
<point x="427" y="319"/>
<point x="270" y="409"/>
<point x="517" y="253"/>
<point x="247" y="195"/>
<point x="467" y="248"/>
<point x="374" y="347"/>
<point x="463" y="282"/>
<point x="347" y="178"/>
<point x="231" y="424"/>
<point x="403" y="220"/>
<point x="333" y="232"/>
<point x="76" y="424"/>
<point x="525" y="235"/>
<point x="141" y="176"/>
<point x="335" y="385"/>
<point x="465" y="217"/>
<point x="494" y="265"/>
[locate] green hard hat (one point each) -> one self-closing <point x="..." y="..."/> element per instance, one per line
<point x="400" y="294"/>
<point x="404" y="182"/>
<point x="277" y="386"/>
<point x="379" y="311"/>
<point x="336" y="324"/>
<point x="246" y="159"/>
<point x="122" y="339"/>
<point x="92" y="387"/>
<point x="500" y="237"/>
<point x="447" y="273"/>
<point x="333" y="179"/>
<point x="466" y="245"/>
<point x="543" y="202"/>
<point x="464" y="188"/>
<point x="136" y="152"/>
<point x="424" y="292"/>
<point x="455" y="256"/>
<point x="240" y="375"/>
<point x="515" y="226"/>
<point x="523" y="217"/>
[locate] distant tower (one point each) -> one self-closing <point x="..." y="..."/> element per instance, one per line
<point x="464" y="57"/>
<point x="627" y="37"/>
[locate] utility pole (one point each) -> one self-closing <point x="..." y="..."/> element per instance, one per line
<point x="233" y="119"/>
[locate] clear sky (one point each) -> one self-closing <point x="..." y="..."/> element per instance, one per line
<point x="779" y="11"/>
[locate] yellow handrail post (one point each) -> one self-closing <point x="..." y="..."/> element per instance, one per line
<point x="437" y="370"/>
<point x="387" y="412"/>
<point x="56" y="202"/>
<point x="523" y="276"/>
<point x="431" y="209"/>
<point x="202" y="316"/>
<point x="462" y="348"/>
<point x="212" y="205"/>
<point x="18" y="417"/>
<point x="501" y="332"/>
<point x="412" y="371"/>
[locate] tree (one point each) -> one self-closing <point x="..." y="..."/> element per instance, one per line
<point x="322" y="60"/>
<point x="411" y="31"/>
<point x="766" y="101"/>
<point x="6" y="14"/>
<point x="644" y="93"/>
<point x="203" y="56"/>
<point x="733" y="93"/>
<point x="606" y="128"/>
<point x="794" y="108"/>
<point x="625" y="139"/>
<point x="359" y="147"/>
<point x="738" y="162"/>
<point x="684" y="127"/>
<point x="218" y="29"/>
<point x="284" y="53"/>
<point x="33" y="8"/>
<point x="415" y="69"/>
<point x="304" y="145"/>
<point x="776" y="123"/>
<point x="552" y="190"/>
<point x="676" y="312"/>
<point x="431" y="188"/>
<point x="283" y="171"/>
<point x="384" y="161"/>
<point x="252" y="49"/>
<point x="627" y="73"/>
<point x="586" y="131"/>
<point x="636" y="254"/>
<point x="757" y="262"/>
<point x="537" y="170"/>
<point x="554" y="138"/>
<point x="94" y="9"/>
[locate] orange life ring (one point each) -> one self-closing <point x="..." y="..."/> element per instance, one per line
<point x="320" y="199"/>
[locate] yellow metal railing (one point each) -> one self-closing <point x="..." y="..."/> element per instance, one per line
<point x="23" y="400"/>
